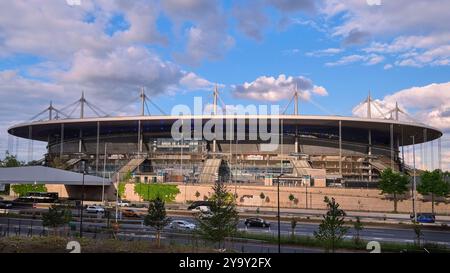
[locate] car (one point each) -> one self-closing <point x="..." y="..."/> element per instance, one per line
<point x="95" y="209"/>
<point x="427" y="218"/>
<point x="123" y="203"/>
<point x="5" y="205"/>
<point x="130" y="213"/>
<point x="202" y="209"/>
<point x="196" y="204"/>
<point x="256" y="222"/>
<point x="182" y="225"/>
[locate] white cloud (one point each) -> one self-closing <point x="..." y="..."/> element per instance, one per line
<point x="399" y="24"/>
<point x="428" y="104"/>
<point x="370" y="59"/>
<point x="324" y="52"/>
<point x="276" y="89"/>
<point x="207" y="37"/>
<point x="251" y="19"/>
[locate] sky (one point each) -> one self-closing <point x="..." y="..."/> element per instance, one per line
<point x="256" y="51"/>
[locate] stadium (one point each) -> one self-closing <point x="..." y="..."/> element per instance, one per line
<point x="314" y="151"/>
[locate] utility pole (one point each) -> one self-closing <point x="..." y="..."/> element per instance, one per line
<point x="414" y="180"/>
<point x="83" y="166"/>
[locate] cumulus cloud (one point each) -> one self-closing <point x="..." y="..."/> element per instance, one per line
<point x="207" y="37"/>
<point x="399" y="25"/>
<point x="276" y="89"/>
<point x="251" y="19"/>
<point x="324" y="52"/>
<point x="428" y="104"/>
<point x="370" y="59"/>
<point x="56" y="30"/>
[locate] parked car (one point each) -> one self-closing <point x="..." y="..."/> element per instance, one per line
<point x="202" y="209"/>
<point x="205" y="215"/>
<point x="123" y="203"/>
<point x="130" y="213"/>
<point x="5" y="205"/>
<point x="182" y="225"/>
<point x="196" y="204"/>
<point x="425" y="217"/>
<point x="95" y="209"/>
<point x="256" y="222"/>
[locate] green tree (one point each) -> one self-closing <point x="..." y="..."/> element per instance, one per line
<point x="56" y="217"/>
<point x="393" y="183"/>
<point x="291" y="197"/>
<point x="157" y="217"/>
<point x="24" y="189"/>
<point x="262" y="196"/>
<point x="223" y="220"/>
<point x="151" y="191"/>
<point x="331" y="229"/>
<point x="433" y="183"/>
<point x="358" y="226"/>
<point x="10" y="161"/>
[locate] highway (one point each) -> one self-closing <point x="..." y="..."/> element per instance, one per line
<point x="381" y="234"/>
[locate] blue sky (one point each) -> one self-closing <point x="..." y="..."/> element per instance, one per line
<point x="257" y="51"/>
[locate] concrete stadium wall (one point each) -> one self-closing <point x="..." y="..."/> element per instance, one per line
<point x="349" y="199"/>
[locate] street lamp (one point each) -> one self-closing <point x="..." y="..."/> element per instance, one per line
<point x="278" y="212"/>
<point x="83" y="168"/>
<point x="414" y="179"/>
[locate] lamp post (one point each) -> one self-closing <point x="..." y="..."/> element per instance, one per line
<point x="414" y="180"/>
<point x="83" y="168"/>
<point x="278" y="212"/>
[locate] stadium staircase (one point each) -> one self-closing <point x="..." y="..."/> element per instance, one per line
<point x="129" y="167"/>
<point x="72" y="162"/>
<point x="210" y="171"/>
<point x="300" y="167"/>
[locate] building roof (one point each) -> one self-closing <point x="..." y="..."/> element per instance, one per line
<point x="47" y="175"/>
<point x="110" y="125"/>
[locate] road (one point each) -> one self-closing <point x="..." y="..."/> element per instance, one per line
<point x="382" y="234"/>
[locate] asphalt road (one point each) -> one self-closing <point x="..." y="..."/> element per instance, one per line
<point x="382" y="234"/>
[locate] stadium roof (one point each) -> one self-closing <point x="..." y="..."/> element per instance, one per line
<point x="41" y="129"/>
<point x="47" y="175"/>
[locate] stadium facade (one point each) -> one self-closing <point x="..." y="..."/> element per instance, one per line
<point x="313" y="150"/>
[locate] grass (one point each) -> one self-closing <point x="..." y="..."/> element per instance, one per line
<point x="308" y="241"/>
<point x="54" y="244"/>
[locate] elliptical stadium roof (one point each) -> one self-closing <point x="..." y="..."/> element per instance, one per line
<point x="41" y="129"/>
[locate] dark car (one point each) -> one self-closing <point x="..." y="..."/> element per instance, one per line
<point x="256" y="222"/>
<point x="426" y="218"/>
<point x="5" y="205"/>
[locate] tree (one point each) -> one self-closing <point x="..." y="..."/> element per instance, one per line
<point x="197" y="194"/>
<point x="23" y="189"/>
<point x="262" y="196"/>
<point x="223" y="220"/>
<point x="293" y="225"/>
<point x="331" y="229"/>
<point x="56" y="217"/>
<point x="433" y="183"/>
<point x="151" y="191"/>
<point x="393" y="183"/>
<point x="358" y="226"/>
<point x="10" y="161"/>
<point x="291" y="197"/>
<point x="157" y="217"/>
